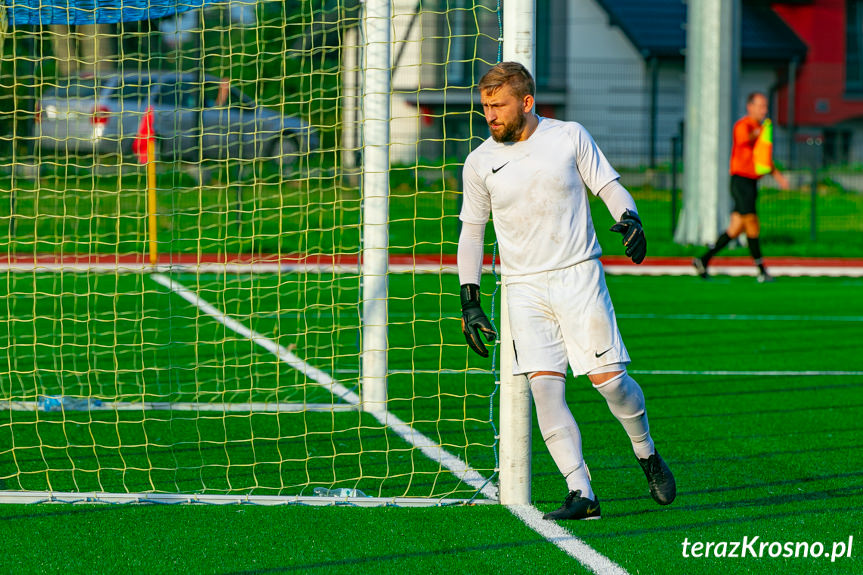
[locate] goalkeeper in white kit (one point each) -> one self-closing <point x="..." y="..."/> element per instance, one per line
<point x="533" y="174"/>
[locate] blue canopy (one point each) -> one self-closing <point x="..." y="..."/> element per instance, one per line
<point x="37" y="12"/>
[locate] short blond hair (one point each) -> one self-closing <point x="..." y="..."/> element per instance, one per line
<point x="753" y="95"/>
<point x="511" y="74"/>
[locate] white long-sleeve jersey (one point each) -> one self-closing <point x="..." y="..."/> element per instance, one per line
<point x="537" y="191"/>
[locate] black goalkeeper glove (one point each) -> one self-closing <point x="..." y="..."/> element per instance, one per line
<point x="474" y="320"/>
<point x="633" y="236"/>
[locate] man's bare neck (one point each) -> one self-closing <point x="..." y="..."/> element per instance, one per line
<point x="529" y="127"/>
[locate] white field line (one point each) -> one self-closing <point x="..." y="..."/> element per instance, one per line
<point x="318" y="376"/>
<point x="240" y="268"/>
<point x="672" y="316"/>
<point x="531" y="516"/>
<point x="428" y="447"/>
<point x="569" y="543"/>
<point x="744" y="372"/>
<point x="741" y="317"/>
<point x="485" y="372"/>
<point x="189" y="406"/>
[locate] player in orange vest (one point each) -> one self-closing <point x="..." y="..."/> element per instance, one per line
<point x="744" y="186"/>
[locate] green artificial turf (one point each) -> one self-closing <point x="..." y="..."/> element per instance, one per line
<point x="762" y="441"/>
<point x="319" y="212"/>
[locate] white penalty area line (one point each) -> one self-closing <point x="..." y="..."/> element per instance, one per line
<point x="741" y="317"/>
<point x="469" y="371"/>
<point x="743" y="372"/>
<point x="318" y="376"/>
<point x="671" y="316"/>
<point x="486" y="372"/>
<point x="429" y="448"/>
<point x="529" y="515"/>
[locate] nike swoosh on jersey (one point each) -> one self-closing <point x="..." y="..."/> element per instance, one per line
<point x="603" y="353"/>
<point x="496" y="170"/>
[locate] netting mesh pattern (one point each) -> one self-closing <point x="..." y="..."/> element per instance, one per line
<point x="227" y="141"/>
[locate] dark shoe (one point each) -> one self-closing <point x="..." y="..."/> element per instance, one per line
<point x="663" y="488"/>
<point x="700" y="268"/>
<point x="575" y="507"/>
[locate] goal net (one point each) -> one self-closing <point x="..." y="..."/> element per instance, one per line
<point x="227" y="277"/>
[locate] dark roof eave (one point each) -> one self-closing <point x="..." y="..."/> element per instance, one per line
<point x="679" y="57"/>
<point x="674" y="53"/>
<point x="794" y="48"/>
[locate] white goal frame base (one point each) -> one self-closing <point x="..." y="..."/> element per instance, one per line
<point x="187" y="406"/>
<point x="69" y="497"/>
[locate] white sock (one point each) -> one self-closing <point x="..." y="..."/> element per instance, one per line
<point x="560" y="432"/>
<point x="626" y="402"/>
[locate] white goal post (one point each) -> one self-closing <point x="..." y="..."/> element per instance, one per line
<point x="519" y="45"/>
<point x="377" y="87"/>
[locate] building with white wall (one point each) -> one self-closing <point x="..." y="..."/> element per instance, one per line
<point x="616" y="66"/>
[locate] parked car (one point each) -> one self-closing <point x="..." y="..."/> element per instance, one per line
<point x="193" y="120"/>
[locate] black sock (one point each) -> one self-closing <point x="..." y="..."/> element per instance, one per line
<point x="721" y="242"/>
<point x="755" y="250"/>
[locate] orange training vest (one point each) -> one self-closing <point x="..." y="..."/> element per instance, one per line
<point x="742" y="160"/>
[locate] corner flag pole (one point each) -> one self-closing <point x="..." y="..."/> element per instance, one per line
<point x="144" y="148"/>
<point x="151" y="200"/>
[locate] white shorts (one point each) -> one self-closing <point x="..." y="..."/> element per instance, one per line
<point x="563" y="316"/>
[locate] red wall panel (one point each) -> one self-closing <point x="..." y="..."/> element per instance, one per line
<point x="820" y="92"/>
